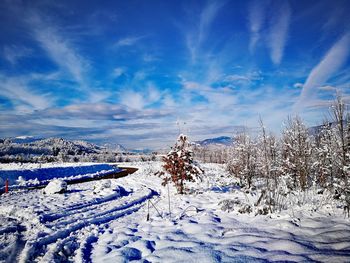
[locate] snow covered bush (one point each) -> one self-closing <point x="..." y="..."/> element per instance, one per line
<point x="179" y="166"/>
<point x="56" y="186"/>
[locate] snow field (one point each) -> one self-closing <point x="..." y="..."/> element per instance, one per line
<point x="110" y="225"/>
<point x="62" y="226"/>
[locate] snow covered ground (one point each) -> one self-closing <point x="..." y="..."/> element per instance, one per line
<point x="107" y="222"/>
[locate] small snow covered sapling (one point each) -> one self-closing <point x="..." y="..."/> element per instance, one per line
<point x="179" y="166"/>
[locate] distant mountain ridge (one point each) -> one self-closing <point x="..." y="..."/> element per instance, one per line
<point x="114" y="147"/>
<point x="24" y="139"/>
<point x="53" y="146"/>
<point x="222" y="140"/>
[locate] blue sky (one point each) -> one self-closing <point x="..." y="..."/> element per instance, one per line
<point x="138" y="72"/>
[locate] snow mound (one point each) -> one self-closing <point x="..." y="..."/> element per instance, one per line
<point x="104" y="187"/>
<point x="56" y="186"/>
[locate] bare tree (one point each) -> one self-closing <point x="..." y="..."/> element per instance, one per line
<point x="338" y="113"/>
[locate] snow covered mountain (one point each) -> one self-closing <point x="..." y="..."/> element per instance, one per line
<point x="222" y="140"/>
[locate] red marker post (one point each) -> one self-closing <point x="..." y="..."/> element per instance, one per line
<point x="7" y="186"/>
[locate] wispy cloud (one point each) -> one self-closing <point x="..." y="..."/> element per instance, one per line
<point x="242" y="79"/>
<point x="13" y="53"/>
<point x="256" y="20"/>
<point x="23" y="98"/>
<point x="140" y="99"/>
<point x="150" y="57"/>
<point x="119" y="71"/>
<point x="197" y="35"/>
<point x="330" y="64"/>
<point x="278" y="32"/>
<point x="59" y="48"/>
<point x="298" y="85"/>
<point x="207" y="16"/>
<point x="128" y="41"/>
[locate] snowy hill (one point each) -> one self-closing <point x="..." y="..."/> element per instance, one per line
<point x="66" y="146"/>
<point x="222" y="140"/>
<point x="29" y="149"/>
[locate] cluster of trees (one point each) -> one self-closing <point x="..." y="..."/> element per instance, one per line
<point x="302" y="158"/>
<point x="61" y="150"/>
<point x="299" y="158"/>
<point x="211" y="153"/>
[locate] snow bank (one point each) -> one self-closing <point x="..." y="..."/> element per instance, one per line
<point x="30" y="177"/>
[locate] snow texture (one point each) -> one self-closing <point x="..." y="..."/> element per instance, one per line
<point x="81" y="225"/>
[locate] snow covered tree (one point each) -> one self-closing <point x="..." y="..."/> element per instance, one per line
<point x="242" y="162"/>
<point x="325" y="155"/>
<point x="179" y="166"/>
<point x="339" y="115"/>
<point x="296" y="152"/>
<point x="268" y="157"/>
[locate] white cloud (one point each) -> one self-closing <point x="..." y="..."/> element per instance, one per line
<point x="153" y="93"/>
<point x="117" y="72"/>
<point x="327" y="88"/>
<point x="298" y="85"/>
<point x="330" y="64"/>
<point x="150" y="57"/>
<point x="140" y="75"/>
<point x="140" y="99"/>
<point x="195" y="37"/>
<point x="207" y="16"/>
<point x="22" y="96"/>
<point x="278" y="31"/>
<point x="14" y="53"/>
<point x="248" y="78"/>
<point x="59" y="49"/>
<point x="256" y="20"/>
<point x="128" y="41"/>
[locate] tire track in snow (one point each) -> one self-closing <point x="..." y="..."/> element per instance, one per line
<point x="36" y="246"/>
<point x="81" y="208"/>
<point x="117" y="205"/>
<point x="11" y="240"/>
